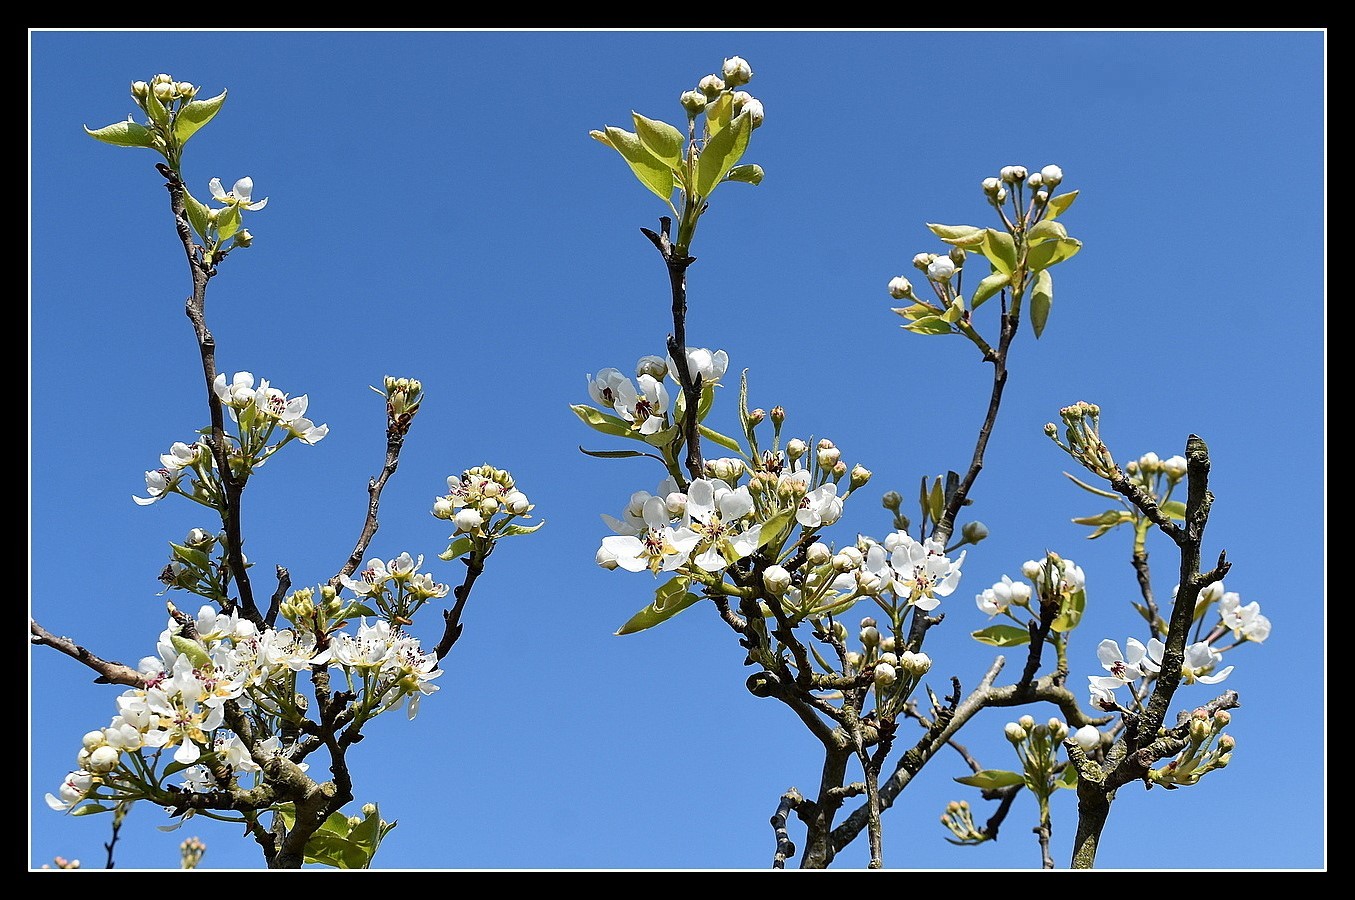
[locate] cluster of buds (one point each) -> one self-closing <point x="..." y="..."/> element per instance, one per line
<point x="190" y="853"/>
<point x="1040" y="183"/>
<point x="312" y="615"/>
<point x="165" y="90"/>
<point x="1208" y="749"/>
<point x="476" y="496"/>
<point x="892" y="668"/>
<point x="736" y="73"/>
<point x="960" y="820"/>
<point x="403" y="397"/>
<point x="1037" y="745"/>
<point x="191" y="568"/>
<point x="1082" y="431"/>
<point x="396" y="586"/>
<point x="1055" y="578"/>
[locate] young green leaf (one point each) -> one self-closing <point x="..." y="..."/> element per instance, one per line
<point x="1041" y="300"/>
<point x="669" y="600"/>
<point x="1002" y="636"/>
<point x="1071" y="613"/>
<point x="1059" y="205"/>
<point x="123" y="134"/>
<point x="723" y="440"/>
<point x="721" y="152"/>
<point x="652" y="172"/>
<point x="990" y="286"/>
<point x="992" y="778"/>
<point x="750" y="173"/>
<point x="601" y="421"/>
<point x="1000" y="249"/>
<point x="1052" y="252"/>
<point x="663" y="141"/>
<point x="195" y="114"/>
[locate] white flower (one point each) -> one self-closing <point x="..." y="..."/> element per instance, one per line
<point x="72" y="790"/>
<point x="1132" y="665"/>
<point x="1246" y="622"/>
<point x="1200" y="664"/>
<point x="239" y="394"/>
<point x="711" y="367"/>
<point x="241" y="194"/>
<point x="658" y="546"/>
<point x="821" y="506"/>
<point x="370" y="580"/>
<point x="922" y="572"/>
<point x="647" y="408"/>
<point x="369" y="649"/>
<point x="1103" y="691"/>
<point x="181" y="455"/>
<point x="997" y="598"/>
<point x="603" y="387"/>
<point x="716" y="510"/>
<point x="159" y="484"/>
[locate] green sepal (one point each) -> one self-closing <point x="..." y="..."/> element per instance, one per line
<point x="663" y="141"/>
<point x="989" y="779"/>
<point x="967" y="236"/>
<point x="750" y="173"/>
<point x="1000" y="249"/>
<point x="1041" y="301"/>
<point x="721" y="152"/>
<point x="930" y="325"/>
<point x="1002" y="636"/>
<point x="723" y="440"/>
<point x="1057" y="206"/>
<point x="1052" y="252"/>
<point x="515" y="530"/>
<point x="1045" y="230"/>
<point x="653" y="173"/>
<point x="990" y="286"/>
<point x="601" y="421"/>
<point x="191" y="649"/>
<point x="191" y="555"/>
<point x="123" y="134"/>
<point x="670" y="599"/>
<point x="195" y="114"/>
<point x="1071" y="613"/>
<point x="459" y="547"/>
<point x="1174" y="509"/>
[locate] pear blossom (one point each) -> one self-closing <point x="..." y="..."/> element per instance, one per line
<point x="603" y="387"/>
<point x="413" y="670"/>
<point x="711" y="367"/>
<point x="286" y="649"/>
<point x="1135" y="663"/>
<point x="160" y="483"/>
<point x="716" y="510"/>
<point x="646" y="408"/>
<point x="922" y="572"/>
<point x="182" y="456"/>
<point x="1102" y="689"/>
<point x="1200" y="664"/>
<point x="367" y="650"/>
<point x="241" y="194"/>
<point x="75" y="788"/>
<point x="821" y="506"/>
<point x="1246" y="622"/>
<point x="1001" y="595"/>
<point x="239" y="393"/>
<point x="658" y="546"/>
<point x="370" y="581"/>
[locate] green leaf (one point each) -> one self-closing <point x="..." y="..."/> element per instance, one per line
<point x="1071" y="613"/>
<point x="661" y="438"/>
<point x="227" y="223"/>
<point x="721" y="152"/>
<point x="1002" y="636"/>
<point x="930" y="325"/>
<point x="1088" y="487"/>
<point x="958" y="235"/>
<point x="669" y="600"/>
<point x="917" y="311"/>
<point x="1041" y="300"/>
<point x="723" y="440"/>
<point x="191" y="649"/>
<point x="459" y="547"/>
<point x="515" y="529"/>
<point x="1067" y="778"/>
<point x="90" y="809"/>
<point x="718" y="113"/>
<point x="1046" y="230"/>
<point x="601" y="421"/>
<point x="990" y="286"/>
<point x="653" y="173"/>
<point x="663" y="141"/>
<point x="936" y="502"/>
<point x="777" y="527"/>
<point x="191" y="555"/>
<point x="198" y="214"/>
<point x="355" y="609"/>
<point x="1052" y="252"/>
<point x="1057" y="206"/>
<point x="123" y="134"/>
<point x="1000" y="249"/>
<point x="156" y="110"/>
<point x="1109" y="517"/>
<point x="1174" y="509"/>
<point x="750" y="173"/>
<point x="613" y="454"/>
<point x="195" y="114"/>
<point x="993" y="778"/>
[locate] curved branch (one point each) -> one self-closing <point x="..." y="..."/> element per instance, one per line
<point x="109" y="672"/>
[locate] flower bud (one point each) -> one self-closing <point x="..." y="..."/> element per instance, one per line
<point x="974" y="532"/>
<point x="885" y="674"/>
<point x="796" y="448"/>
<point x="756" y="416"/>
<point x="516" y="502"/>
<point x="140" y="89"/>
<point x="923" y="260"/>
<point x="443" y="508"/>
<point x="1221" y="719"/>
<point x="711" y="86"/>
<point x="991" y="186"/>
<point x="1051" y="176"/>
<point x="776" y="580"/>
<point x="888" y="644"/>
<point x="1013" y="174"/>
<point x="1175" y="467"/>
<point x="828" y="455"/>
<point x="854" y="659"/>
<point x="778" y="416"/>
<point x="1041" y="197"/>
<point x="1014" y="732"/>
<point x="1031" y="569"/>
<point x="1199" y="729"/>
<point x="1035" y="180"/>
<point x="818" y="553"/>
<point x="870" y="636"/>
<point x="468" y="520"/>
<point x="1227" y="743"/>
<point x="745" y="102"/>
<point x="1058" y="730"/>
<point x="957" y="255"/>
<point x="655" y="367"/>
<point x="368" y="810"/>
<point x="1026" y="722"/>
<point x="900" y="288"/>
<point x="889" y="659"/>
<point x="694" y="102"/>
<point x="847" y="559"/>
<point x="93" y="740"/>
<point x="102" y="759"/>
<point x="1087" y="737"/>
<point x="942" y="268"/>
<point x="860" y="475"/>
<point x="891" y="500"/>
<point x="186" y="90"/>
<point x="164" y="92"/>
<point x="736" y="71"/>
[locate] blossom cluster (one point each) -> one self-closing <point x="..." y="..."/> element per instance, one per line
<point x="190" y="681"/>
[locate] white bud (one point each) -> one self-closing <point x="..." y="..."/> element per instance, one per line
<point x="653" y="366"/>
<point x="900" y="287"/>
<point x="93" y="740"/>
<point x="736" y="71"/>
<point x="1087" y="737"/>
<point x="102" y="759"/>
<point x="1175" y="467"/>
<point x="776" y="579"/>
<point x="885" y="674"/>
<point x="796" y="448"/>
<point x="468" y="520"/>
<point x="1051" y="175"/>
<point x="870" y="636"/>
<point x="941" y="269"/>
<point x="819" y="553"/>
<point x="1014" y="732"/>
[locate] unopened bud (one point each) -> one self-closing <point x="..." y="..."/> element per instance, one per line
<point x="974" y="532"/>
<point x="1026" y="722"/>
<point x="1014" y="732"/>
<point x="736" y="71"/>
<point x="942" y="268"/>
<point x="694" y="102"/>
<point x="870" y="636"/>
<point x="796" y="448"/>
<point x="900" y="288"/>
<point x="885" y="674"/>
<point x="818" y="553"/>
<point x="1087" y="737"/>
<point x="655" y="367"/>
<point x="923" y="260"/>
<point x="778" y="415"/>
<point x="711" y="86"/>
<point x="1013" y="174"/>
<point x="776" y="579"/>
<point x="860" y="475"/>
<point x="891" y="501"/>
<point x="756" y="416"/>
<point x="1051" y="176"/>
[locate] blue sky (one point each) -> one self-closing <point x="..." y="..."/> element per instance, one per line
<point x="437" y="210"/>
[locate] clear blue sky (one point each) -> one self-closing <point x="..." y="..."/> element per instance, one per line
<point x="437" y="210"/>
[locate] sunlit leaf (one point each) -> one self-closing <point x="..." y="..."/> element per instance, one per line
<point x="123" y="134"/>
<point x="195" y="114"/>
<point x="989" y="779"/>
<point x="669" y="600"/>
<point x="990" y="286"/>
<point x="663" y="141"/>
<point x="721" y="153"/>
<point x="1002" y="636"/>
<point x="652" y="172"/>
<point x="1041" y="300"/>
